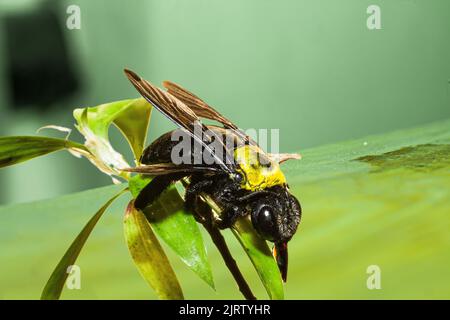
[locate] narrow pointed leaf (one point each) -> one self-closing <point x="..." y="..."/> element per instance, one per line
<point x="18" y="149"/>
<point x="177" y="228"/>
<point x="261" y="257"/>
<point x="149" y="256"/>
<point x="55" y="285"/>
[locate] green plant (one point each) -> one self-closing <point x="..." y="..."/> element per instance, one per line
<point x="165" y="219"/>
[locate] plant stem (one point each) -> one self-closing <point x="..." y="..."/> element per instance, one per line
<point x="221" y="245"/>
<point x="205" y="217"/>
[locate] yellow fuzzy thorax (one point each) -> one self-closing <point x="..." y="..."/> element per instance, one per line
<point x="258" y="170"/>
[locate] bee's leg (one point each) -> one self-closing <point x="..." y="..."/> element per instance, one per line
<point x="204" y="214"/>
<point x="219" y="242"/>
<point x="193" y="203"/>
<point x="153" y="190"/>
<point x="229" y="216"/>
<point x="193" y="192"/>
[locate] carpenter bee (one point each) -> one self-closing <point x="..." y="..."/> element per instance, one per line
<point x="241" y="180"/>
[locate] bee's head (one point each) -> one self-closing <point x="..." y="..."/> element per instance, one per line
<point x="276" y="216"/>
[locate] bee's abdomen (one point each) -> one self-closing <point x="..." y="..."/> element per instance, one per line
<point x="159" y="151"/>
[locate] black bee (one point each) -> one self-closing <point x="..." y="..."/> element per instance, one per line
<point x="240" y="178"/>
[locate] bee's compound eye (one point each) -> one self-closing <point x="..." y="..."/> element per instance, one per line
<point x="265" y="222"/>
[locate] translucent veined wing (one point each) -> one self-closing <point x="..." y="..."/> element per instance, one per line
<point x="204" y="110"/>
<point x="182" y="115"/>
<point x="158" y="169"/>
<point x="197" y="105"/>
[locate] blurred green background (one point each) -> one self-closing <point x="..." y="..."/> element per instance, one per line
<point x="310" y="68"/>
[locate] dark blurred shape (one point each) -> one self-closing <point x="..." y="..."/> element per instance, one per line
<point x="39" y="65"/>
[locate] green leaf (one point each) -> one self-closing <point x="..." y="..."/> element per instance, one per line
<point x="149" y="256"/>
<point x="137" y="183"/>
<point x="18" y="149"/>
<point x="133" y="123"/>
<point x="130" y="116"/>
<point x="55" y="285"/>
<point x="261" y="258"/>
<point x="176" y="228"/>
<point x="380" y="200"/>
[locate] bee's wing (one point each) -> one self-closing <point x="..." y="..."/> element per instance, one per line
<point x="203" y="110"/>
<point x="200" y="107"/>
<point x="181" y="115"/>
<point x="159" y="169"/>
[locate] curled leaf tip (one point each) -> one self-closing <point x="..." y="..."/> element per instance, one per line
<point x="58" y="128"/>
